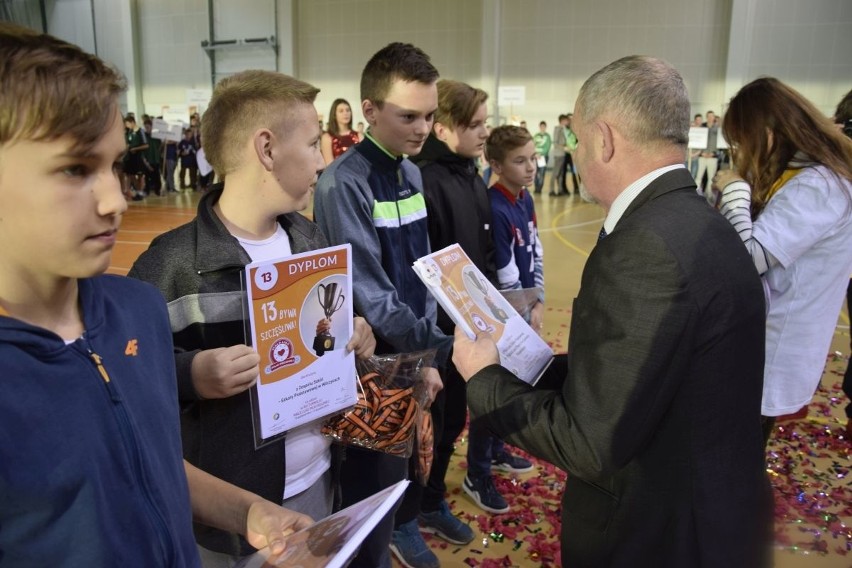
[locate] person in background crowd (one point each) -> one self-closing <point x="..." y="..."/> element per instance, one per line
<point x="708" y="158"/>
<point x="135" y="164"/>
<point x="187" y="150"/>
<point x="154" y="176"/>
<point x="697" y="121"/>
<point x="542" y="142"/>
<point x="568" y="165"/>
<point x="557" y="178"/>
<point x="339" y="136"/>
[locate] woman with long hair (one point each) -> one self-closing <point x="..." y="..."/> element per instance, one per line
<point x="340" y="135"/>
<point x="790" y="198"/>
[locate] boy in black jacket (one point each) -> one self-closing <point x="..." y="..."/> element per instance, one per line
<point x="458" y="212"/>
<point x="261" y="133"/>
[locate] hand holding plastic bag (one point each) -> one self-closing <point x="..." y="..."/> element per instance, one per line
<point x="389" y="402"/>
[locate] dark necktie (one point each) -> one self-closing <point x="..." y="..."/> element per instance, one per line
<point x="602" y="234"/>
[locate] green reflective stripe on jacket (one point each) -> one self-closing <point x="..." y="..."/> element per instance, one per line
<point x="397" y="213"/>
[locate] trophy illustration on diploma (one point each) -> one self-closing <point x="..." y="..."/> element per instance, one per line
<point x="330" y="300"/>
<point x="498" y="312"/>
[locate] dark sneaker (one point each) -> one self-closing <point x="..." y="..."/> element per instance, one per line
<point x="484" y="494"/>
<point x="444" y="524"/>
<point x="505" y="461"/>
<point x="408" y="546"/>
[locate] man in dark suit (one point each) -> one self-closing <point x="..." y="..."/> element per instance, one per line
<point x="658" y="422"/>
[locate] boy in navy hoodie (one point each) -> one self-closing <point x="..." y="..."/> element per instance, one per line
<point x="91" y="472"/>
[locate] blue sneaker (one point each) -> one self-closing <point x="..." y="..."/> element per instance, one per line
<point x="442" y="523"/>
<point x="410" y="549"/>
<point x="505" y="461"/>
<point x="485" y="494"/>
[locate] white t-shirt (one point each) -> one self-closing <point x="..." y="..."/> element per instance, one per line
<point x="807" y="227"/>
<point x="306" y="452"/>
<point x="275" y="247"/>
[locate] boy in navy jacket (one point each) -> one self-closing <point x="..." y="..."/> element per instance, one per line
<point x="91" y="472"/>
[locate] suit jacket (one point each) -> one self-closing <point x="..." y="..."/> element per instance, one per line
<point x="658" y="421"/>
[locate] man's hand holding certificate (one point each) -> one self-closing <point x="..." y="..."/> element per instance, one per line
<point x="475" y="305"/>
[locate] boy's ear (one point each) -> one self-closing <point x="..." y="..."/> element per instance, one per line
<point x="262" y="141"/>
<point x="368" y="109"/>
<point x="496" y="166"/>
<point x="441" y="131"/>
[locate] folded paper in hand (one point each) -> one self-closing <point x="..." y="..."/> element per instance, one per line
<point x="475" y="305"/>
<point x="334" y="540"/>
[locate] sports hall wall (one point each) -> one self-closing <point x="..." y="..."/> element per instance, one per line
<point x="547" y="46"/>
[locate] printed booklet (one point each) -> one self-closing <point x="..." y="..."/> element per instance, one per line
<point x="333" y="541"/>
<point x="476" y="305"/>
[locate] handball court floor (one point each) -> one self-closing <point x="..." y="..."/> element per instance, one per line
<point x="808" y="458"/>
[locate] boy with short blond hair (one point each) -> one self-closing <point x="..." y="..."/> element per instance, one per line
<point x="90" y="460"/>
<point x="261" y="132"/>
<point x="252" y="100"/>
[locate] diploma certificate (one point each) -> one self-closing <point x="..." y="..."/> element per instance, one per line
<point x="300" y="317"/>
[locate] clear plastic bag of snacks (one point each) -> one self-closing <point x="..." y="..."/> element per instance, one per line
<point x="391" y="394"/>
<point x="425" y="446"/>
